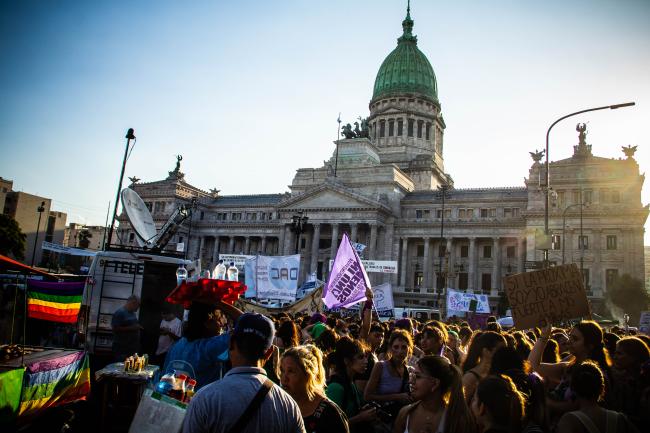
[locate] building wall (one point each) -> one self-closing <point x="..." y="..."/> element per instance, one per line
<point x="23" y="208"/>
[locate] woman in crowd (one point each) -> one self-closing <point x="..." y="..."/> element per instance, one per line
<point x="347" y="360"/>
<point x="630" y="384"/>
<point x="203" y="348"/>
<point x="287" y="335"/>
<point x="440" y="405"/>
<point x="389" y="380"/>
<point x="303" y="377"/>
<point x="585" y="343"/>
<point x="498" y="406"/>
<point x="588" y="385"/>
<point x="479" y="356"/>
<point x="507" y="361"/>
<point x="432" y="341"/>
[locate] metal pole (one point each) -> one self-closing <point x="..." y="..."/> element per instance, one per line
<point x="548" y="183"/>
<point x="129" y="137"/>
<point x="582" y="241"/>
<point x="40" y="211"/>
<point x="336" y="156"/>
<point x="108" y="210"/>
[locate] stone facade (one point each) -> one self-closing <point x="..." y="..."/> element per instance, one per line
<point x="383" y="188"/>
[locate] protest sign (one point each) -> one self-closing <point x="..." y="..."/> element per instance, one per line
<point x="379" y="266"/>
<point x="348" y="280"/>
<point x="276" y="277"/>
<point x="383" y="300"/>
<point x="644" y="322"/>
<point x="238" y="259"/>
<point x="553" y="294"/>
<point x="249" y="277"/>
<point x="462" y="302"/>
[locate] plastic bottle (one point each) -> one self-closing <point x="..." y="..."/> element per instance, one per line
<point x="181" y="275"/>
<point x="189" y="390"/>
<point x="233" y="272"/>
<point x="219" y="271"/>
<point x="166" y="384"/>
<point x="178" y="391"/>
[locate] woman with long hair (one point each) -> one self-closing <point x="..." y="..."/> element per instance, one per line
<point x="479" y="356"/>
<point x="287" y="335"/>
<point x="303" y="377"/>
<point x="630" y="384"/>
<point x="498" y="406"/>
<point x="440" y="405"/>
<point x="389" y="380"/>
<point x="585" y="343"/>
<point x="349" y="359"/>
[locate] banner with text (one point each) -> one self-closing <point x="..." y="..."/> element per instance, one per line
<point x="239" y="259"/>
<point x="383" y="299"/>
<point x="461" y="301"/>
<point x="67" y="250"/>
<point x="348" y="280"/>
<point x="276" y="277"/>
<point x="554" y="294"/>
<point x="249" y="277"/>
<point x="379" y="266"/>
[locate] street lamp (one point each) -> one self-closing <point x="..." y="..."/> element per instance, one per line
<point x="548" y="184"/>
<point x="298" y="223"/>
<point x="40" y="211"/>
<point x="442" y="279"/>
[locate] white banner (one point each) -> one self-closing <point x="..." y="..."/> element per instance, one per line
<point x="379" y="266"/>
<point x="460" y="302"/>
<point x="68" y="250"/>
<point x="239" y="259"/>
<point x="383" y="300"/>
<point x="276" y="277"/>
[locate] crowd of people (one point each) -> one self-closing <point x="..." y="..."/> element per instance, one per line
<point x="325" y="373"/>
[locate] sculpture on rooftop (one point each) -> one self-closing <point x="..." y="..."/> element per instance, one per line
<point x="629" y="151"/>
<point x="347" y="131"/>
<point x="537" y="155"/>
<point x="361" y="129"/>
<point x="582" y="136"/>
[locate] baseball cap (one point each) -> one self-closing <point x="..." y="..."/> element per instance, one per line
<point x="256" y="325"/>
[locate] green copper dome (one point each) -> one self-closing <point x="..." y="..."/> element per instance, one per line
<point x="406" y="69"/>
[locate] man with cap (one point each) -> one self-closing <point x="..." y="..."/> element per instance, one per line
<point x="245" y="400"/>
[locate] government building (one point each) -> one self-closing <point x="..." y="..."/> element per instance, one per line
<point x="386" y="186"/>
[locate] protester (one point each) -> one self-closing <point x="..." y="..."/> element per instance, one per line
<point x="171" y="330"/>
<point x="630" y="383"/>
<point x="389" y="380"/>
<point x="228" y="405"/>
<point x="349" y="359"/>
<point x="203" y="348"/>
<point x="288" y="335"/>
<point x="479" y="356"/>
<point x="588" y="385"/>
<point x="126" y="329"/>
<point x="303" y="377"/>
<point x="498" y="406"/>
<point x="440" y="405"/>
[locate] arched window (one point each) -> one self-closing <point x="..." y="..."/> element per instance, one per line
<point x="400" y="127"/>
<point x="382" y="128"/>
<point x="420" y="123"/>
<point x="391" y="127"/>
<point x="428" y="131"/>
<point x="409" y="130"/>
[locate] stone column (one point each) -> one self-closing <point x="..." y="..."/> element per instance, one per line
<point x="403" y="259"/>
<point x="201" y="245"/>
<point x="595" y="273"/>
<point x="263" y="246"/>
<point x="231" y="245"/>
<point x="215" y="251"/>
<point x="471" y="277"/>
<point x="372" y="248"/>
<point x="335" y="240"/>
<point x="354" y="227"/>
<point x="521" y="254"/>
<point x="314" y="248"/>
<point x="287" y="246"/>
<point x="247" y="244"/>
<point x="426" y="275"/>
<point x="450" y="262"/>
<point x="496" y="265"/>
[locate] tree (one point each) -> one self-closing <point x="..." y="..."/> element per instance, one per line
<point x="84" y="238"/>
<point x="629" y="295"/>
<point x="12" y="239"/>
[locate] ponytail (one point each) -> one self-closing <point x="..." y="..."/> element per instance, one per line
<point x="481" y="340"/>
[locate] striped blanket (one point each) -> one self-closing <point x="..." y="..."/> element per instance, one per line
<point x="54" y="382"/>
<point x="56" y="302"/>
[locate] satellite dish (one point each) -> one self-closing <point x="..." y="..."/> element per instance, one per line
<point x="139" y="217"/>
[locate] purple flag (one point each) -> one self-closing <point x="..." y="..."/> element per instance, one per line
<point x="348" y="280"/>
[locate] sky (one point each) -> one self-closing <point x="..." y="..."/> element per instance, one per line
<point x="249" y="91"/>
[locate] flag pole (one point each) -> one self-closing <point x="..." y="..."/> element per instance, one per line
<point x="336" y="157"/>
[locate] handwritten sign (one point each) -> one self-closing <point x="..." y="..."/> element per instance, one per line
<point x="553" y="294"/>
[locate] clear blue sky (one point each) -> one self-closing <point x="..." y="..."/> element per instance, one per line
<point x="249" y="91"/>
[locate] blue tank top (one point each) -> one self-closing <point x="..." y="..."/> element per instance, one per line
<point x="389" y="384"/>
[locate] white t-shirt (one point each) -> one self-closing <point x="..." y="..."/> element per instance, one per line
<point x="175" y="326"/>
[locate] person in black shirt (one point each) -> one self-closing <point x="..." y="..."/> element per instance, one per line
<point x="302" y="375"/>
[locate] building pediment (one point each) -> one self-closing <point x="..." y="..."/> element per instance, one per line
<point x="330" y="196"/>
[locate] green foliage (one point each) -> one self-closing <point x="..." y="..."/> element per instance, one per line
<point x="12" y="239"/>
<point x="630" y="295"/>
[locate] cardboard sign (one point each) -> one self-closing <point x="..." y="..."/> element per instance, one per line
<point x="644" y="322"/>
<point x="553" y="294"/>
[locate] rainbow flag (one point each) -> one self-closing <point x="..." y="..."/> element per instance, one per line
<point x="54" y="382"/>
<point x="56" y="302"/>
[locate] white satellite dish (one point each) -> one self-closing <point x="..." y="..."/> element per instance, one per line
<point x="139" y="216"/>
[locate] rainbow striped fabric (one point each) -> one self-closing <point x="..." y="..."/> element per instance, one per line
<point x="54" y="382"/>
<point x="56" y="302"/>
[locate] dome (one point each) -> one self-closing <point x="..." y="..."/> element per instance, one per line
<point x="406" y="69"/>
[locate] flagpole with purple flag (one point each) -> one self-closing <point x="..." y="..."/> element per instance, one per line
<point x="348" y="280"/>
